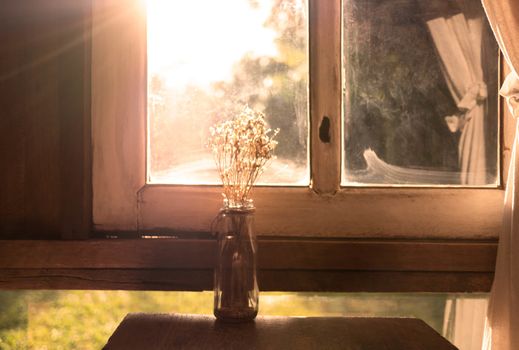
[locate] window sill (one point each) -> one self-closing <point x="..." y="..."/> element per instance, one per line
<point x="345" y="265"/>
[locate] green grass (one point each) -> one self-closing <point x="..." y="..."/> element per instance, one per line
<point x="85" y="319"/>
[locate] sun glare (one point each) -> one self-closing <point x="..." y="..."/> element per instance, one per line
<point x="197" y="42"/>
<point x="206" y="59"/>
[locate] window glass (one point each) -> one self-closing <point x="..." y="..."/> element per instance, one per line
<point x="420" y="93"/>
<point x="86" y="319"/>
<point x="208" y="59"/>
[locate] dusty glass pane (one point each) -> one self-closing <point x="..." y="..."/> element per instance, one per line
<point x="206" y="60"/>
<point x="420" y="93"/>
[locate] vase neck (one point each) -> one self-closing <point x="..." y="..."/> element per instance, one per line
<point x="245" y="206"/>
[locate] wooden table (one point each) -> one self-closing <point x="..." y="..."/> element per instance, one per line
<point x="174" y="331"/>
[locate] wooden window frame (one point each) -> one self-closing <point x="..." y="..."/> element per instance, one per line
<point x="123" y="201"/>
<point x="321" y="238"/>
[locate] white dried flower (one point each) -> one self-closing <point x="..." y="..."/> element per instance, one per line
<point x="242" y="147"/>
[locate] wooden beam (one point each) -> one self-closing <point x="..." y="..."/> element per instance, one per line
<point x="118" y="111"/>
<point x="75" y="130"/>
<point x="325" y="95"/>
<point x="269" y="280"/>
<point x="106" y="279"/>
<point x="45" y="122"/>
<point x="375" y="281"/>
<point x="274" y="254"/>
<point x="285" y="265"/>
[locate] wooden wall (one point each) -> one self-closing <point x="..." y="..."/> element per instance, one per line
<point x="45" y="190"/>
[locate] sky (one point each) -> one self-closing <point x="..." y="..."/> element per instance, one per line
<point x="196" y="42"/>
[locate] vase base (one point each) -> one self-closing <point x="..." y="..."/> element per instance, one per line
<point x="235" y="316"/>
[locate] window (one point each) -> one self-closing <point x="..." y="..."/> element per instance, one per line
<point x="125" y="199"/>
<point x="237" y="53"/>
<point x="420" y="96"/>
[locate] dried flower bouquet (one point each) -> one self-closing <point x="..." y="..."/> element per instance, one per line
<point x="242" y="148"/>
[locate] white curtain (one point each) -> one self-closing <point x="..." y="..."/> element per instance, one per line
<point x="458" y="41"/>
<point x="502" y="326"/>
<point x="464" y="320"/>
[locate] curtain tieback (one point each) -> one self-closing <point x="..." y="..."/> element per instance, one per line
<point x="475" y="94"/>
<point x="513" y="105"/>
<point x="510" y="91"/>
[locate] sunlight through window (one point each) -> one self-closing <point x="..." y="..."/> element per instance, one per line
<point x="206" y="60"/>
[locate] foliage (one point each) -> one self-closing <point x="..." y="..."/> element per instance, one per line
<point x="81" y="319"/>
<point x="278" y="85"/>
<point x="396" y="92"/>
<point x="13" y="320"/>
<point x="84" y="320"/>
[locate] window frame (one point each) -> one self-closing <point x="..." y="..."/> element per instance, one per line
<point x="123" y="201"/>
<point x="80" y="261"/>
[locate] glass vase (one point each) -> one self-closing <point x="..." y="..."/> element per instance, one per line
<point x="236" y="293"/>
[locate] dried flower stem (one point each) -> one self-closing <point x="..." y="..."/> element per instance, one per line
<point x="242" y="147"/>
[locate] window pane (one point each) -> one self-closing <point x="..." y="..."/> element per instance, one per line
<point x="420" y="93"/>
<point x="206" y="60"/>
<point x="85" y="319"/>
